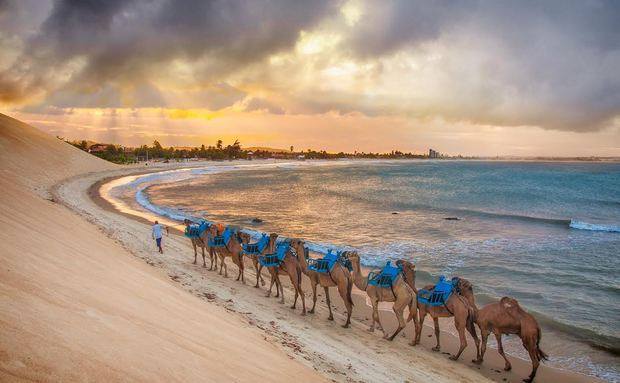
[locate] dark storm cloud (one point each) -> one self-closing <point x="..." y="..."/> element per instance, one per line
<point x="133" y="41"/>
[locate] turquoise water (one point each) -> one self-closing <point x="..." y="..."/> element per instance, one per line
<point x="547" y="234"/>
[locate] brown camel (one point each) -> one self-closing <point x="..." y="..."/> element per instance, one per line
<point x="402" y="293"/>
<point x="462" y="306"/>
<point x="203" y="243"/>
<point x="245" y="239"/>
<point x="339" y="276"/>
<point x="231" y="249"/>
<point x="507" y="317"/>
<point x="290" y="266"/>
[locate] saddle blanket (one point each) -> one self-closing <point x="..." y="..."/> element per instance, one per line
<point x="256" y="248"/>
<point x="275" y="259"/>
<point x="195" y="230"/>
<point x="222" y="240"/>
<point x="386" y="277"/>
<point x="439" y="294"/>
<point x="326" y="264"/>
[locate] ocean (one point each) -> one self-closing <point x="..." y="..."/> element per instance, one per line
<point x="545" y="233"/>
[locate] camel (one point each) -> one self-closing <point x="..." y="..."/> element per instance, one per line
<point x="290" y="266"/>
<point x="231" y="249"/>
<point x="245" y="238"/>
<point x="339" y="276"/>
<point x="507" y="317"/>
<point x="402" y="293"/>
<point x="462" y="306"/>
<point x="202" y="242"/>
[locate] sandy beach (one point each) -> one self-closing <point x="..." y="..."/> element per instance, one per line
<point x="86" y="296"/>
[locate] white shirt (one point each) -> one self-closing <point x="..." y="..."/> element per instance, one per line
<point x="157" y="231"/>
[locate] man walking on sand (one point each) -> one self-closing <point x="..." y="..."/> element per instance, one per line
<point x="157" y="234"/>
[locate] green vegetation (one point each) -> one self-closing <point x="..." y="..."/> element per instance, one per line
<point x="123" y="155"/>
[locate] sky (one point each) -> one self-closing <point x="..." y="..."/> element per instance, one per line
<point x="470" y="77"/>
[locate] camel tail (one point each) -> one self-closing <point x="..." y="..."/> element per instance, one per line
<point x="541" y="354"/>
<point x="413" y="308"/>
<point x="471" y="319"/>
<point x="349" y="289"/>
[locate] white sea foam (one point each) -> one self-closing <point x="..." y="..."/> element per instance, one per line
<point x="594" y="227"/>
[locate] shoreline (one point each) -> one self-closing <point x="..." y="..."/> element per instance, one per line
<point x="492" y="364"/>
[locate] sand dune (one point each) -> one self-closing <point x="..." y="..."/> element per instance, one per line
<point x="76" y="306"/>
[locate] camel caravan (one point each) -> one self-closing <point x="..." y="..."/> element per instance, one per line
<point x="393" y="283"/>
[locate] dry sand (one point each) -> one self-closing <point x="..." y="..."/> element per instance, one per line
<point x="76" y="306"/>
<point x="85" y="296"/>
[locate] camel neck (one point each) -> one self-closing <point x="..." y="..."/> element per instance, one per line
<point x="360" y="281"/>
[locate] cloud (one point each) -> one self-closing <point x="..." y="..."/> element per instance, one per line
<point x="85" y="45"/>
<point x="548" y="63"/>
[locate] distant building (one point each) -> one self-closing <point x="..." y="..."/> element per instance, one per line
<point x="433" y="153"/>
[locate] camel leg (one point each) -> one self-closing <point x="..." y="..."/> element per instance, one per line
<point x="436" y="324"/>
<point x="311" y="311"/>
<point x="273" y="280"/>
<point x="239" y="262"/>
<point x="532" y="349"/>
<point x="418" y="332"/>
<point x="281" y="287"/>
<point x="413" y="310"/>
<point x="223" y="264"/>
<point x="255" y="262"/>
<point x="343" y="290"/>
<point x="460" y="327"/>
<point x="375" y="314"/>
<point x="329" y="303"/>
<point x="500" y="349"/>
<point x="204" y="259"/>
<point x="399" y="310"/>
<point x="195" y="252"/>
<point x="296" y="296"/>
<point x="260" y="273"/>
<point x="242" y="263"/>
<point x="301" y="294"/>
<point x="471" y="328"/>
<point x="484" y="334"/>
<point x="296" y="282"/>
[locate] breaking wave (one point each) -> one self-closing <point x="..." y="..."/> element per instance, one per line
<point x="594" y="226"/>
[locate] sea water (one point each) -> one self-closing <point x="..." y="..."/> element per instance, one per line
<point x="547" y="234"/>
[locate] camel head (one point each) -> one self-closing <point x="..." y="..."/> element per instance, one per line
<point x="216" y="229"/>
<point x="187" y="222"/>
<point x="298" y="245"/>
<point x="272" y="242"/>
<point x="408" y="272"/>
<point x="244" y="237"/>
<point x="354" y="257"/>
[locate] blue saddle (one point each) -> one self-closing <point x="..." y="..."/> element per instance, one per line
<point x="256" y="248"/>
<point x="326" y="264"/>
<point x="439" y="294"/>
<point x="222" y="240"/>
<point x="386" y="277"/>
<point x="275" y="259"/>
<point x="195" y="230"/>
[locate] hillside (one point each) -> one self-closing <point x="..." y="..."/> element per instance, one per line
<point x="37" y="160"/>
<point x="76" y="306"/>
